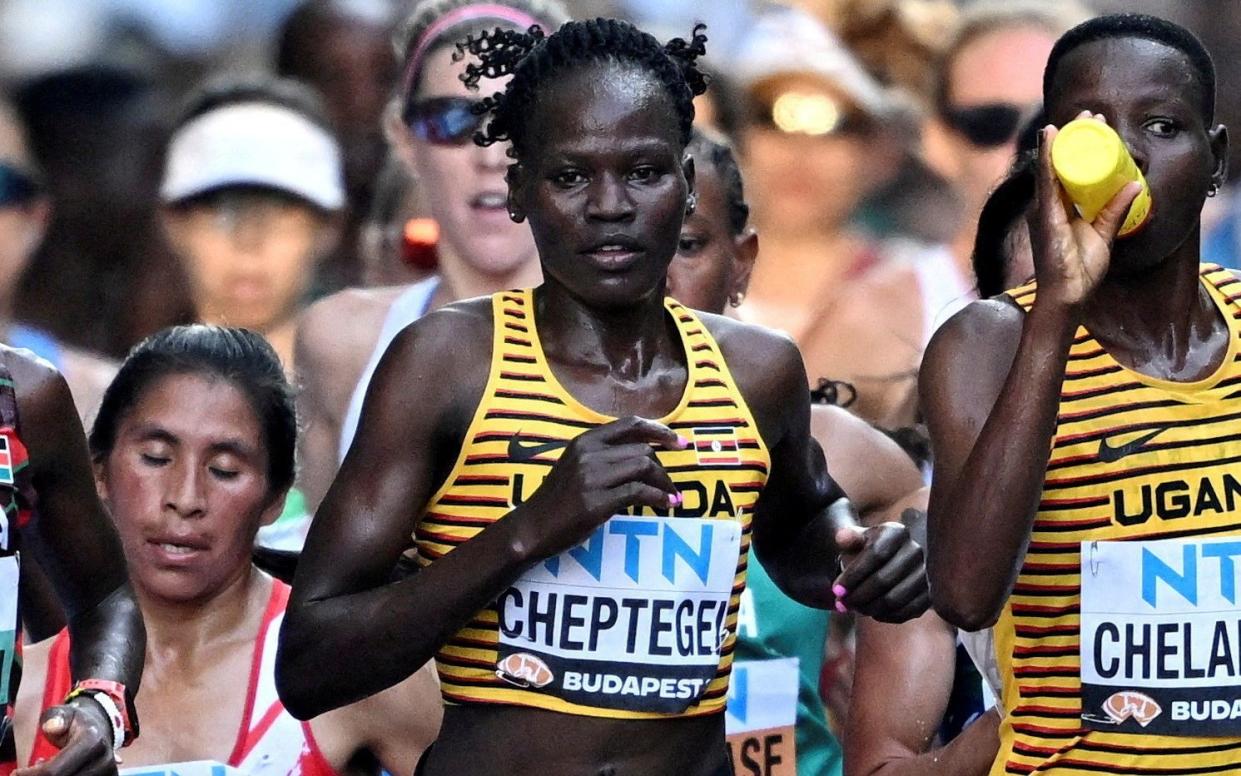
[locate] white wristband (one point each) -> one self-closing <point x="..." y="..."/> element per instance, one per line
<point x="114" y="716"/>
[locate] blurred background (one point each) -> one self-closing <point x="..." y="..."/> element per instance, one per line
<point x="96" y="84"/>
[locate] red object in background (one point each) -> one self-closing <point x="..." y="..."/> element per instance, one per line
<point x="420" y="243"/>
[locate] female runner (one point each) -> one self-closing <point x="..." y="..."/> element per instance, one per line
<point x="430" y="126"/>
<point x="582" y="564"/>
<point x="193" y="451"/>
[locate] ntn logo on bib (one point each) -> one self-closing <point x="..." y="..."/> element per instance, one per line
<point x="636" y="617"/>
<point x="1161" y="636"/>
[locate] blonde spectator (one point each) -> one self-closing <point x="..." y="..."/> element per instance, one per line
<point x="480" y="249"/>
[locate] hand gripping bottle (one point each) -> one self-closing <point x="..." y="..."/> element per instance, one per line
<point x="1093" y="164"/>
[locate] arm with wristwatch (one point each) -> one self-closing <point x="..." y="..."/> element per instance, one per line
<point x="74" y="541"/>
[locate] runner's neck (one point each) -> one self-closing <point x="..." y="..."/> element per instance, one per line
<point x="627" y="343"/>
<point x="1165" y="311"/>
<point x="179" y="631"/>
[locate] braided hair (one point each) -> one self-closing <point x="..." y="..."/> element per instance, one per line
<point x="534" y="59"/>
<point x="710" y="148"/>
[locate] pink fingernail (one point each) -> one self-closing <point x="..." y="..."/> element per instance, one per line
<point x="839" y="591"/>
<point x="676" y="499"/>
<point x="842" y="608"/>
<point x="682" y="442"/>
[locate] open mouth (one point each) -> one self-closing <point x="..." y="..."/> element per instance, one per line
<point x="175" y="549"/>
<point x="615" y="253"/>
<point x="490" y="201"/>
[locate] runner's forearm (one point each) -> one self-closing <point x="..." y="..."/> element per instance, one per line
<point x="389" y="632"/>
<point x="806" y="565"/>
<point x="991" y="503"/>
<point x="108" y="640"/>
<point x="969" y="754"/>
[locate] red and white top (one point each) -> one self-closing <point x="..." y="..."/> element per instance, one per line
<point x="270" y="742"/>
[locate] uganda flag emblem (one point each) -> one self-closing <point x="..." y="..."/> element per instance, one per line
<point x="717" y="446"/>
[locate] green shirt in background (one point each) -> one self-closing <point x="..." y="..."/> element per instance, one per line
<point x="773" y="627"/>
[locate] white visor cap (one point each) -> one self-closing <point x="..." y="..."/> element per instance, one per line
<point x="255" y="144"/>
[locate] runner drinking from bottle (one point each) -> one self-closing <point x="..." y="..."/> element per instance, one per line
<point x="1086" y="469"/>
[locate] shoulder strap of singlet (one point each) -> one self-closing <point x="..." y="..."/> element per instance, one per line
<point x="411" y="305"/>
<point x="1024" y="295"/>
<point x="260" y="711"/>
<point x="57" y="683"/>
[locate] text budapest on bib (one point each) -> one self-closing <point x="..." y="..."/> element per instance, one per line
<point x="633" y="618"/>
<point x="1161" y="637"/>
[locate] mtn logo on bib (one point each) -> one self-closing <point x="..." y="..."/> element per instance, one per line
<point x="524" y="670"/>
<point x="1129" y="703"/>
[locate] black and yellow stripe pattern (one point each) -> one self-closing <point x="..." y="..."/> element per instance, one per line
<point x="1133" y="457"/>
<point x="518" y="432"/>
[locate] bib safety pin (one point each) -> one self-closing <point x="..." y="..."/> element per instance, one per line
<point x="1094" y="563"/>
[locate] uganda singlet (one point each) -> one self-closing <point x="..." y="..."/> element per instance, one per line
<point x="1120" y="645"/>
<point x="638" y="621"/>
<point x="270" y="741"/>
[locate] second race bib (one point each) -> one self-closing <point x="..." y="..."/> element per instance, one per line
<point x="1161" y="637"/>
<point x="761" y="717"/>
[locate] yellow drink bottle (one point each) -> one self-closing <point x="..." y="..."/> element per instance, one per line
<point x="1093" y="164"/>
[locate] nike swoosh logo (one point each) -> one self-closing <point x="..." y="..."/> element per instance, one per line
<point x="1111" y="454"/>
<point x="519" y="450"/>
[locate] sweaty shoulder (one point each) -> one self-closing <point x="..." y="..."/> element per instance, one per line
<point x="40" y="387"/>
<point x="970" y="355"/>
<point x="454" y="336"/>
<point x="447" y="349"/>
<point x="48" y="417"/>
<point x="975" y="324"/>
<point x="765" y="364"/>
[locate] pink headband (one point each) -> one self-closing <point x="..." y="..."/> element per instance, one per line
<point x="453" y="18"/>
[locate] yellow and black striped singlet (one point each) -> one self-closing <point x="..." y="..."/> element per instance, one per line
<point x="518" y="431"/>
<point x="1133" y="458"/>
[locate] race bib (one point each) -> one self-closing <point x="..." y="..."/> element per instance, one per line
<point x="1161" y="637"/>
<point x="194" y="768"/>
<point x="633" y="618"/>
<point x="761" y="716"/>
<point x="9" y="574"/>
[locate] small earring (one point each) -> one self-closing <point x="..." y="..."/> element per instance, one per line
<point x="1211" y="192"/>
<point x="737" y="298"/>
<point x="691" y="203"/>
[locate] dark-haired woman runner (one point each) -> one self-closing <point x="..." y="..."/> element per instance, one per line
<point x="193" y="450"/>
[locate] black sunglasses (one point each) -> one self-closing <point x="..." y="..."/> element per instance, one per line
<point x="16" y="187"/>
<point x="444" y="120"/>
<point x="988" y="125"/>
